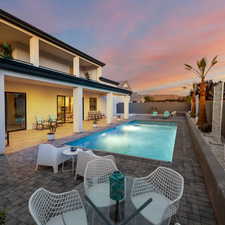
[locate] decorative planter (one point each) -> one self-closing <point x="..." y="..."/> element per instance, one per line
<point x="51" y="136"/>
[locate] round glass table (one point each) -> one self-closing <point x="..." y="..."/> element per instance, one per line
<point x="111" y="215"/>
<point x="73" y="155"/>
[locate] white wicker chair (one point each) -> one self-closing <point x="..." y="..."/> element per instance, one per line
<point x="96" y="181"/>
<point x="48" y="208"/>
<point x="165" y="187"/>
<point x="83" y="157"/>
<point x="49" y="155"/>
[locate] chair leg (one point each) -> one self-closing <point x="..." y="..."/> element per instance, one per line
<point x="55" y="169"/>
<point x="75" y="177"/>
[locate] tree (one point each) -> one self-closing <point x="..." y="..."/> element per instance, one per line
<point x="147" y="98"/>
<point x="201" y="71"/>
<point x="193" y="109"/>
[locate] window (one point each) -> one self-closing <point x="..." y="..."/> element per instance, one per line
<point x="93" y="104"/>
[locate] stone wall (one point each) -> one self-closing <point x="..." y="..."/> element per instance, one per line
<point x="146" y="108"/>
<point x="209" y="109"/>
<point x="213" y="172"/>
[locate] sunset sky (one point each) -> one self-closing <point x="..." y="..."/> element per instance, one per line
<point x="145" y="42"/>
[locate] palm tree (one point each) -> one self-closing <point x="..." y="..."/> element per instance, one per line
<point x="193" y="109"/>
<point x="201" y="71"/>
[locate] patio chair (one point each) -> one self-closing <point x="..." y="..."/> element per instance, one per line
<point x="165" y="187"/>
<point x="49" y="208"/>
<point x="166" y="114"/>
<point x="49" y="155"/>
<point x="40" y="123"/>
<point x="54" y="120"/>
<point x="154" y="113"/>
<point x="83" y="157"/>
<point x="96" y="181"/>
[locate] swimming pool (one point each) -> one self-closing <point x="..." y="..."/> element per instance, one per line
<point x="153" y="140"/>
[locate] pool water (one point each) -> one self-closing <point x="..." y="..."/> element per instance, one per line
<point x="154" y="140"/>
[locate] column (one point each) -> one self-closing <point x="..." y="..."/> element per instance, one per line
<point x="34" y="51"/>
<point x="217" y="112"/>
<point x="2" y="114"/>
<point x="76" y="66"/>
<point x="109" y="107"/>
<point x="78" y="109"/>
<point x="126" y="107"/>
<point x="98" y="73"/>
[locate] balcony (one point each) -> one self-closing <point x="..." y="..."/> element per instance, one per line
<point x="49" y="56"/>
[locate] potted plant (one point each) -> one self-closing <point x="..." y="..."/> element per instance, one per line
<point x="5" y="51"/>
<point x="2" y="217"/>
<point x="87" y="75"/>
<point x="52" y="130"/>
<point x="95" y="123"/>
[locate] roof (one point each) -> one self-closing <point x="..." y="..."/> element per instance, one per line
<point x="27" y="68"/>
<point x="104" y="79"/>
<point x="34" y="30"/>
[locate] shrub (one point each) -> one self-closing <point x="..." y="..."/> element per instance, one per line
<point x="2" y="217"/>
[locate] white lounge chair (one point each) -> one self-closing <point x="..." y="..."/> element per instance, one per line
<point x="83" y="157"/>
<point x="49" y="155"/>
<point x="96" y="181"/>
<point x="48" y="208"/>
<point x="165" y="187"/>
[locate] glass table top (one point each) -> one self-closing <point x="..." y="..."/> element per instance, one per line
<point x="122" y="213"/>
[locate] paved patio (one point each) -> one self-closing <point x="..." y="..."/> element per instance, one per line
<point x="28" y="138"/>
<point x="18" y="181"/>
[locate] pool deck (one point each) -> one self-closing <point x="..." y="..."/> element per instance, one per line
<point x="18" y="180"/>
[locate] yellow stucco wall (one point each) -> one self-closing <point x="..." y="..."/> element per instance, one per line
<point x="42" y="100"/>
<point x="100" y="106"/>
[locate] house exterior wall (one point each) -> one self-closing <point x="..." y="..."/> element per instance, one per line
<point x="21" y="52"/>
<point x="56" y="63"/>
<point x="92" y="73"/>
<point x="41" y="100"/>
<point x="100" y="104"/>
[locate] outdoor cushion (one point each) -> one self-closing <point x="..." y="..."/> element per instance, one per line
<point x="76" y="217"/>
<point x="155" y="210"/>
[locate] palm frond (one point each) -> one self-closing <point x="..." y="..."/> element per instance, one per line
<point x="188" y="67"/>
<point x="214" y="61"/>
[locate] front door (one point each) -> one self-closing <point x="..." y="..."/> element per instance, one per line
<point x="15" y="108"/>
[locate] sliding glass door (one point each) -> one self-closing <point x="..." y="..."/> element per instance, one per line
<point x="15" y="111"/>
<point x="64" y="108"/>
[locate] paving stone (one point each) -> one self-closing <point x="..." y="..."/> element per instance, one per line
<point x="18" y="180"/>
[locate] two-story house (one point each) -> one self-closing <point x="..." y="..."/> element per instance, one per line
<point x="49" y="77"/>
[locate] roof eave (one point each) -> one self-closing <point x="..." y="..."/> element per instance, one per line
<point x="26" y="26"/>
<point x="24" y="68"/>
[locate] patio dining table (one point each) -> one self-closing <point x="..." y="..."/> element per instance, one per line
<point x="126" y="213"/>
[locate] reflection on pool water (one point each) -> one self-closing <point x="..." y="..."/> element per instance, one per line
<point x="153" y="140"/>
